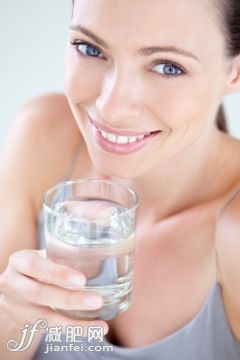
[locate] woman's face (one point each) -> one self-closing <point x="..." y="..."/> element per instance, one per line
<point x="135" y="67"/>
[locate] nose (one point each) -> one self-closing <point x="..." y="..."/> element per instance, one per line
<point x="120" y="97"/>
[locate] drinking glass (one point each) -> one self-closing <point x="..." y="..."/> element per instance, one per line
<point x="90" y="227"/>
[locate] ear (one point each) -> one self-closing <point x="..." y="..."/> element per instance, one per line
<point x="233" y="82"/>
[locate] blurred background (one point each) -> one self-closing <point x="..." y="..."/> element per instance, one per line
<point x="32" y="43"/>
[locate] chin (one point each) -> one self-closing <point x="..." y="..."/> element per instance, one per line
<point x="118" y="166"/>
<point x="116" y="169"/>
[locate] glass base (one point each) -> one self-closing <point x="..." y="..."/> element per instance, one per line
<point x="108" y="311"/>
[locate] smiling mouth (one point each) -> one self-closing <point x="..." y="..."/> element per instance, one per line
<point x="121" y="144"/>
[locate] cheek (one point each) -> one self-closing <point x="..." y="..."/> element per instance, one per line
<point x="82" y="80"/>
<point x="183" y="102"/>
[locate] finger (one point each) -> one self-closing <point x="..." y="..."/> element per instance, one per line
<point x="49" y="295"/>
<point x="23" y="313"/>
<point x="35" y="264"/>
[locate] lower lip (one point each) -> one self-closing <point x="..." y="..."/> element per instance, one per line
<point x="122" y="149"/>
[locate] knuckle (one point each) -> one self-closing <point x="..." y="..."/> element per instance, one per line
<point x="16" y="256"/>
<point x="34" y="292"/>
<point x="61" y="271"/>
<point x="67" y="300"/>
<point x="12" y="258"/>
<point x="70" y="300"/>
<point x="22" y="259"/>
<point x="34" y="264"/>
<point x="77" y="299"/>
<point x="56" y="271"/>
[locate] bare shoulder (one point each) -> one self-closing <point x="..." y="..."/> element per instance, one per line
<point x="41" y="141"/>
<point x="36" y="154"/>
<point x="45" y="118"/>
<point x="228" y="249"/>
<point x="56" y="132"/>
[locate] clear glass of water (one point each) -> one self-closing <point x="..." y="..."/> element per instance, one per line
<point x="90" y="226"/>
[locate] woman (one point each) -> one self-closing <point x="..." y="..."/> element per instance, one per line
<point x="144" y="82"/>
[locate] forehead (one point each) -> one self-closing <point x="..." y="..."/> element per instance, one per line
<point x="136" y="23"/>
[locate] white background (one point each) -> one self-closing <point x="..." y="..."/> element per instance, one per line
<point x="32" y="43"/>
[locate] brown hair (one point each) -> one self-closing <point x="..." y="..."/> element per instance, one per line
<point x="221" y="119"/>
<point x="229" y="11"/>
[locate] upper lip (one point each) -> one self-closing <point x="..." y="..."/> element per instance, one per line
<point x="120" y="132"/>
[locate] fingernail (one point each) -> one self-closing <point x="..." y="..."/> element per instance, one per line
<point x="76" y="279"/>
<point x="94" y="301"/>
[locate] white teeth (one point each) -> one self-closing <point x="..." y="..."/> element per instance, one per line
<point x="104" y="134"/>
<point x="132" y="139"/>
<point x="111" y="138"/>
<point x="122" y="140"/>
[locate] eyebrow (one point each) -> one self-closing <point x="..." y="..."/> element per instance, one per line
<point x="146" y="51"/>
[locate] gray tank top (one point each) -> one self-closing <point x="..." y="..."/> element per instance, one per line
<point x="206" y="337"/>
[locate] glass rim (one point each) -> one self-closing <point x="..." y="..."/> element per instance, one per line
<point x="81" y="181"/>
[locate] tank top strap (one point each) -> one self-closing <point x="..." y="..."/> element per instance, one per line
<point x="72" y="163"/>
<point x="227" y="199"/>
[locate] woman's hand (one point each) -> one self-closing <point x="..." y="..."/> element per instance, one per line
<point x="32" y="284"/>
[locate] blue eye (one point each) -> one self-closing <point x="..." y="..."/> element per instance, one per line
<point x="168" y="69"/>
<point x="87" y="49"/>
